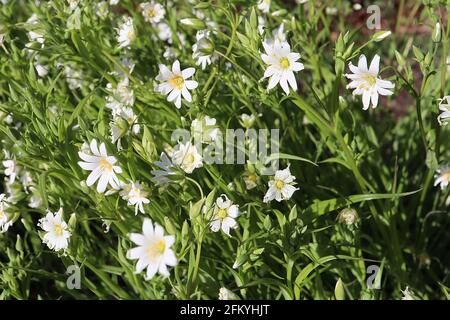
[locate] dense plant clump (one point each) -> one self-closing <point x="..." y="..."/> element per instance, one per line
<point x="114" y="123"/>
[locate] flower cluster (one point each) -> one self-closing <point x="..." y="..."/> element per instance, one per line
<point x="94" y="94"/>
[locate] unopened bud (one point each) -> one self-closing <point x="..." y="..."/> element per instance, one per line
<point x="348" y="216"/>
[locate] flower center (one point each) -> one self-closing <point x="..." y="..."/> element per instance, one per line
<point x="284" y="63"/>
<point x="177" y="82"/>
<point x="130" y="34"/>
<point x="58" y="230"/>
<point x="252" y="178"/>
<point x="156" y="249"/>
<point x="151" y="13"/>
<point x="2" y="215"/>
<point x="105" y="165"/>
<point x="446" y="175"/>
<point x="222" y="213"/>
<point x="279" y="184"/>
<point x="369" y="79"/>
<point x="189" y="158"/>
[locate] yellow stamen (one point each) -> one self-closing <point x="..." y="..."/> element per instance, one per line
<point x="189" y="158"/>
<point x="177" y="82"/>
<point x="284" y="63"/>
<point x="105" y="165"/>
<point x="446" y="175"/>
<point x="370" y="79"/>
<point x="58" y="230"/>
<point x="222" y="213"/>
<point x="157" y="249"/>
<point x="150" y="13"/>
<point x="279" y="184"/>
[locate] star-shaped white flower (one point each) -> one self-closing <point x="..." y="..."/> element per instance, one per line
<point x="187" y="157"/>
<point x="136" y="196"/>
<point x="175" y="83"/>
<point x="102" y="167"/>
<point x="281" y="187"/>
<point x="264" y="5"/>
<point x="57" y="232"/>
<point x="225" y="213"/>
<point x="153" y="251"/>
<point x="152" y="12"/>
<point x="126" y="33"/>
<point x="282" y="63"/>
<point x="198" y="49"/>
<point x="365" y="81"/>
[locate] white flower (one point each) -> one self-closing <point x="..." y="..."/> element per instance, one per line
<point x="153" y="251"/>
<point x="74" y="78"/>
<point x="281" y="187"/>
<point x="169" y="53"/>
<point x="26" y="179"/>
<point x="224" y="215"/>
<point x="261" y="24"/>
<point x="41" y="69"/>
<point x="121" y="96"/>
<point x="73" y="4"/>
<point x="442" y="176"/>
<point x="11" y="170"/>
<point x="126" y="33"/>
<point x="444" y="106"/>
<point x="160" y="176"/>
<point x="124" y="121"/>
<point x="407" y="294"/>
<point x="57" y="232"/>
<point x="365" y="81"/>
<point x="331" y="11"/>
<point x="175" y="83"/>
<point x="102" y="167"/>
<point x="247" y="121"/>
<point x="264" y="5"/>
<point x="164" y="32"/>
<point x="35" y="35"/>
<point x="5" y="221"/>
<point x="278" y="35"/>
<point x="203" y="43"/>
<point x="282" y="65"/>
<point x="251" y="180"/>
<point x="204" y="129"/>
<point x="136" y="196"/>
<point x="152" y="12"/>
<point x="187" y="157"/>
<point x="35" y="200"/>
<point x="102" y="9"/>
<point x="113" y="2"/>
<point x="225" y="294"/>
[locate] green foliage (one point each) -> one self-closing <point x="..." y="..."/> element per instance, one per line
<point x="376" y="162"/>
